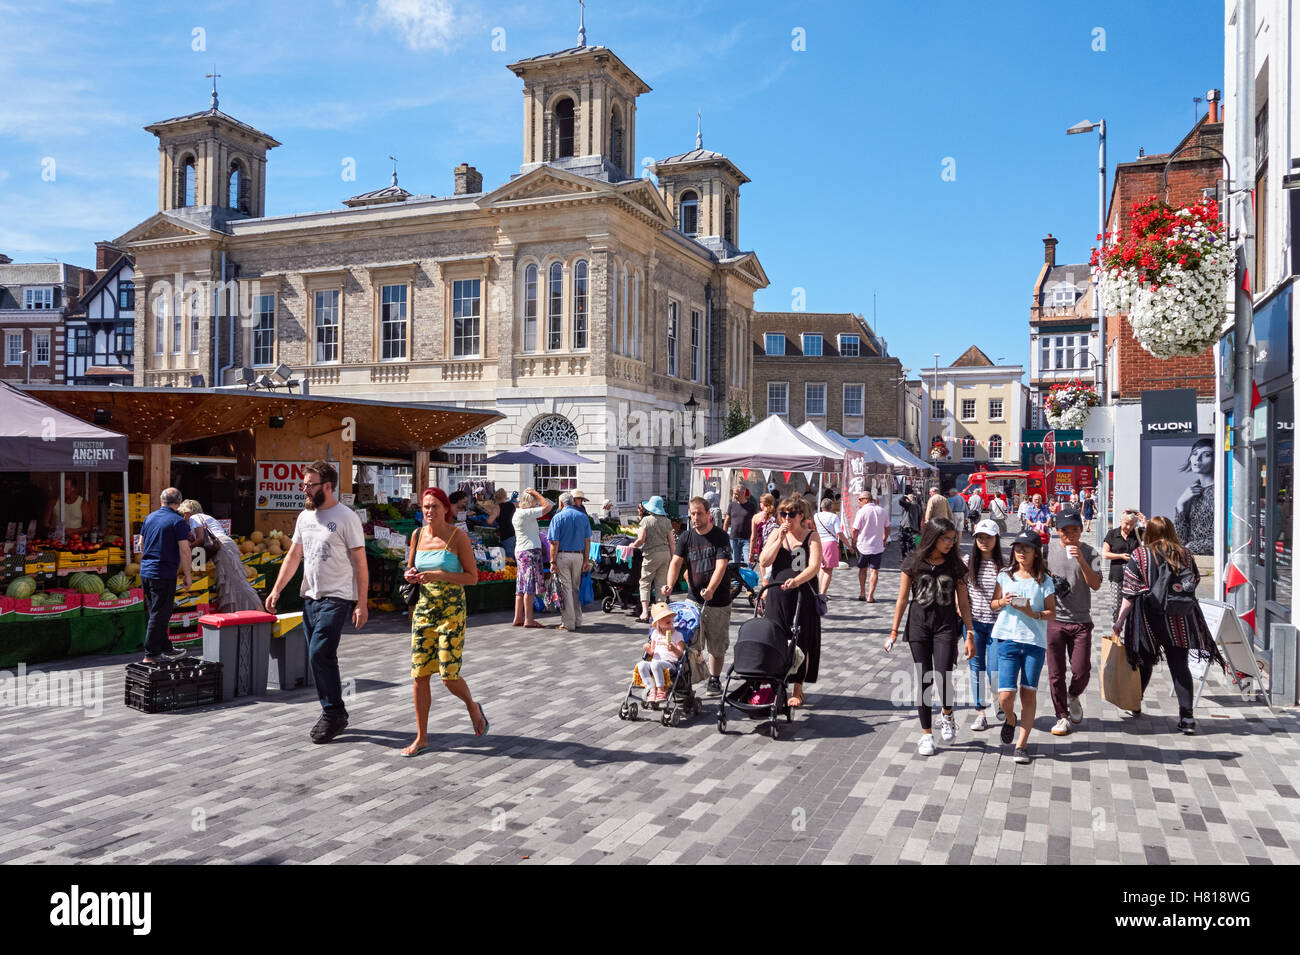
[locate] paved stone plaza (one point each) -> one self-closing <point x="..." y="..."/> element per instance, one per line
<point x="562" y="779"/>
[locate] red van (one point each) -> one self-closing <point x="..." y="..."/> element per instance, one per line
<point x="1008" y="482"/>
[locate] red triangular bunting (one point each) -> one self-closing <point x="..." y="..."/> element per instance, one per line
<point x="1245" y="282"/>
<point x="786" y="476"/>
<point x="1249" y="617"/>
<point x="708" y="472"/>
<point x="1255" y="399"/>
<point x="745" y="473"/>
<point x="1234" y="577"/>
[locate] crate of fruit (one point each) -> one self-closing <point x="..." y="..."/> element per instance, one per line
<point x="50" y="604"/>
<point x="109" y="601"/>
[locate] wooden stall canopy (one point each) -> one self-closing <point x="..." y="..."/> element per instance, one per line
<point x="175" y="415"/>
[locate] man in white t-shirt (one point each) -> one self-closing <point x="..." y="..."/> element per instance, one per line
<point x="329" y="542"/>
<point x="871" y="530"/>
<point x="998" y="511"/>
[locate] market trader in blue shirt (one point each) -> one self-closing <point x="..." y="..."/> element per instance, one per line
<point x="164" y="549"/>
<point x="570" y="537"/>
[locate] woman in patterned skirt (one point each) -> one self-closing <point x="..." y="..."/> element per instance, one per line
<point x="439" y="554"/>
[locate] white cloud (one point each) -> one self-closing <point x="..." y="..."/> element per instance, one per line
<point x="424" y="24"/>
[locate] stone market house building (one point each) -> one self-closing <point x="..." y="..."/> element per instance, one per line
<point x="587" y="305"/>
<point x="830" y="369"/>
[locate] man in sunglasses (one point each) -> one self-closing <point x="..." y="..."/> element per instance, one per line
<point x="329" y="542"/>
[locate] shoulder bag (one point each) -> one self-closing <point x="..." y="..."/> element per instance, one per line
<point x="409" y="590"/>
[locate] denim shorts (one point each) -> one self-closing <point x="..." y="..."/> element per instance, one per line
<point x="1019" y="663"/>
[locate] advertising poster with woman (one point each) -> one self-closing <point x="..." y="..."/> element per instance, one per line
<point x="1178" y="483"/>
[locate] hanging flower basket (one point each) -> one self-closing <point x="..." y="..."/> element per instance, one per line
<point x="1069" y="405"/>
<point x="1170" y="275"/>
<point x="938" y="449"/>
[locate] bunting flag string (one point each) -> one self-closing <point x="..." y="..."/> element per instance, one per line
<point x="1234" y="578"/>
<point x="786" y="475"/>
<point x="744" y="473"/>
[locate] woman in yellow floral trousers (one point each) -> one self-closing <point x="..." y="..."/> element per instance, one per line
<point x="439" y="555"/>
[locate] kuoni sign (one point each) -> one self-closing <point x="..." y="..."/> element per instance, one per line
<point x="279" y="485"/>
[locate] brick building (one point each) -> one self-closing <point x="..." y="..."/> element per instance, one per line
<point x="34" y="301"/>
<point x="1131" y="369"/>
<point x="828" y="368"/>
<point x="591" y="307"/>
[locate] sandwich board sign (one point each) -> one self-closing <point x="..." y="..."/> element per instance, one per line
<point x="1230" y="633"/>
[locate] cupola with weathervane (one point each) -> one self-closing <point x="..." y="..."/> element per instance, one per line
<point x="210" y="160"/>
<point x="702" y="188"/>
<point x="580" y="111"/>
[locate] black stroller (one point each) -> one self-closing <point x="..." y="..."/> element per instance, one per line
<point x="617" y="584"/>
<point x="762" y="661"/>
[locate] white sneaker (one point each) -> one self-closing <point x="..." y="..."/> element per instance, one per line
<point x="926" y="747"/>
<point x="1076" y="710"/>
<point x="1062" y="727"/>
<point x="981" y="723"/>
<point x="947" y="728"/>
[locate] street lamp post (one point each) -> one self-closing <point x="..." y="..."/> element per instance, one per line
<point x="1086" y="126"/>
<point x="934" y="389"/>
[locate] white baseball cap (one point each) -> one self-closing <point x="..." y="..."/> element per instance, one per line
<point x="987" y="526"/>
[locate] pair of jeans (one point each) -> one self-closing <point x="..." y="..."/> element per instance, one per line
<point x="933" y="655"/>
<point x="159" y="601"/>
<point x="1075" y="641"/>
<point x="738" y="549"/>
<point x="323" y="621"/>
<point x="985" y="658"/>
<point x="1176" y="657"/>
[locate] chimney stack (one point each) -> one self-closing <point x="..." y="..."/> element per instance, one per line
<point x="105" y="255"/>
<point x="5" y="260"/>
<point x="1213" y="97"/>
<point x="1049" y="251"/>
<point x="468" y="180"/>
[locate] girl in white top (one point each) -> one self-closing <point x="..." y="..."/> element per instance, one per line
<point x="665" y="653"/>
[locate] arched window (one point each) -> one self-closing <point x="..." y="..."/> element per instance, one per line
<point x="579" y="335"/>
<point x="234" y="187"/>
<point x="185" y="186"/>
<point x="688" y="213"/>
<point x="728" y="229"/>
<point x="995" y="448"/>
<point x="555" y="431"/>
<point x="554" y="302"/>
<point x="616" y="137"/>
<point x="529" y="337"/>
<point x="564" y="128"/>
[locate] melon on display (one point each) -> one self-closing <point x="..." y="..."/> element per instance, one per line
<point x="119" y="584"/>
<point x="89" y="584"/>
<point x="21" y="587"/>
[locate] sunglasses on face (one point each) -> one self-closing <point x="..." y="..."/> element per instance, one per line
<point x="787" y="513"/>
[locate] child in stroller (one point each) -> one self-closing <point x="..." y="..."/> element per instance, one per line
<point x="665" y="668"/>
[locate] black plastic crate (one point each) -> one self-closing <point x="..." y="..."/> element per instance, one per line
<point x="176" y="685"/>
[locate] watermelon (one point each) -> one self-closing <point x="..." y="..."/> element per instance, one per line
<point x="21" y="587"/>
<point x="89" y="584"/>
<point x="76" y="579"/>
<point x="119" y="584"/>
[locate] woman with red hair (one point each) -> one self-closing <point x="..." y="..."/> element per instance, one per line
<point x="438" y="558"/>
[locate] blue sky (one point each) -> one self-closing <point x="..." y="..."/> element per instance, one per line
<point x="845" y="140"/>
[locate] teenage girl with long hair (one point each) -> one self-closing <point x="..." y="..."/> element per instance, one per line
<point x="1148" y="632"/>
<point x="1027" y="589"/>
<point x="934" y="577"/>
<point x="986" y="562"/>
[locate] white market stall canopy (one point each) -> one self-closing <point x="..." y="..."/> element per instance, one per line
<point x="817" y="436"/>
<point x="770" y="444"/>
<point x="899" y="450"/>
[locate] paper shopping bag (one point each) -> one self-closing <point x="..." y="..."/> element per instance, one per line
<point x="1121" y="684"/>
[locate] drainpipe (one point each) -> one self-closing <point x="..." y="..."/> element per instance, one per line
<point x="216" y="331"/>
<point x="708" y="338"/>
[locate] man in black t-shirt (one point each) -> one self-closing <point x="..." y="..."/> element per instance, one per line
<point x="703" y="550"/>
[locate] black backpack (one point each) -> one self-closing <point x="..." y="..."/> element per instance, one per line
<point x="1173" y="591"/>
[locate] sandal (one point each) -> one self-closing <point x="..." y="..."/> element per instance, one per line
<point x="407" y="752"/>
<point x="486" y="725"/>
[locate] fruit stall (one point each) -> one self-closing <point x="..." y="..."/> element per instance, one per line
<point x="82" y="594"/>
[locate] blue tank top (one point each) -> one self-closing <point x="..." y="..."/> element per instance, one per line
<point x="441" y="559"/>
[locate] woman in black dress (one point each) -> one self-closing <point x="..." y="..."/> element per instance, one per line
<point x="794" y="554"/>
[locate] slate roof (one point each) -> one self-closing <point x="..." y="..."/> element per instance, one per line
<point x="34" y="273"/>
<point x="973" y="357"/>
<point x="212" y="113"/>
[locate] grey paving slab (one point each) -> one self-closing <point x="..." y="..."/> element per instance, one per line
<point x="561" y="779"/>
